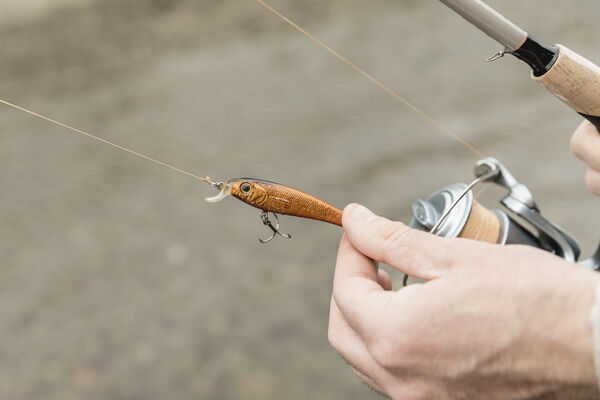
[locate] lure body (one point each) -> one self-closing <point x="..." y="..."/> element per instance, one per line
<point x="284" y="200"/>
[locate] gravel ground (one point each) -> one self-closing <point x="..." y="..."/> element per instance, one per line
<point x="119" y="282"/>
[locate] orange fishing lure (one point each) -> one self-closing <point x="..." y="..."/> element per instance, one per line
<point x="271" y="197"/>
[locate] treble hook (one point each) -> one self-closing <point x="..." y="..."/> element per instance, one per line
<point x="264" y="216"/>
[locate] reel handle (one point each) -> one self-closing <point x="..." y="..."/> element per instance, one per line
<point x="575" y="80"/>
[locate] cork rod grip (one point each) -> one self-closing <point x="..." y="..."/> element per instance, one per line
<point x="576" y="81"/>
<point x="483" y="225"/>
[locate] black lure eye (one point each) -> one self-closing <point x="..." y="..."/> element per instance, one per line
<point x="245" y="188"/>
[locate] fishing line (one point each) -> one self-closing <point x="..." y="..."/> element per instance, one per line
<point x="135" y="153"/>
<point x="375" y="81"/>
<point x="311" y="37"/>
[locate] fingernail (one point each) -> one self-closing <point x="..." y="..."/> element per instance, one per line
<point x="360" y="213"/>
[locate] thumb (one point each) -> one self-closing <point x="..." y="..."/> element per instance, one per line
<point x="414" y="252"/>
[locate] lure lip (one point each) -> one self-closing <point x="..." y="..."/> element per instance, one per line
<point x="224" y="192"/>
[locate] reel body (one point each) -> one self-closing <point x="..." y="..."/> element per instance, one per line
<point x="453" y="212"/>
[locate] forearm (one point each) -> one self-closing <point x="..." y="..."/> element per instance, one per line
<point x="566" y="340"/>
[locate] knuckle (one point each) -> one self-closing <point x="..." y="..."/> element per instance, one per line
<point x="399" y="346"/>
<point x="333" y="338"/>
<point x="396" y="238"/>
<point x="333" y="335"/>
<point x="592" y="181"/>
<point x="386" y="352"/>
<point x="577" y="144"/>
<point x="382" y="353"/>
<point x="585" y="145"/>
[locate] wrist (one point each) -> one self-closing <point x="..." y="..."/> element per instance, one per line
<point x="558" y="336"/>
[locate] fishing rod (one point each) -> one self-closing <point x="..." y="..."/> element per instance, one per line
<point x="567" y="75"/>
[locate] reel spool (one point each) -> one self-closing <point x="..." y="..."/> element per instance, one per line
<point x="468" y="219"/>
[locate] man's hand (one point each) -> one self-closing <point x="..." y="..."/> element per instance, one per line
<point x="491" y="323"/>
<point x="585" y="144"/>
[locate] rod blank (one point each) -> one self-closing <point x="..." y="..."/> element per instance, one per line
<point x="490" y="22"/>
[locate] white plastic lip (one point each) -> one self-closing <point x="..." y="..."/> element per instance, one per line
<point x="225" y="191"/>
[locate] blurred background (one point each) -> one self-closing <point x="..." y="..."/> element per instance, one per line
<point x="118" y="281"/>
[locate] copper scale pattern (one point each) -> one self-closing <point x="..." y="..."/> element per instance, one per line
<point x="284" y="200"/>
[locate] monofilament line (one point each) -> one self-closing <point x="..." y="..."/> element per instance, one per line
<point x="135" y="153"/>
<point x="375" y="81"/>
<point x="311" y="37"/>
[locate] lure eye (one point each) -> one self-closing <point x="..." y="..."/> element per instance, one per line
<point x="246" y="188"/>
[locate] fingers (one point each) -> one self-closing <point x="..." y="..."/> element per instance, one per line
<point x="355" y="265"/>
<point x="384" y="279"/>
<point x="356" y="288"/>
<point x="585" y="144"/>
<point x="592" y="181"/>
<point x="414" y="252"/>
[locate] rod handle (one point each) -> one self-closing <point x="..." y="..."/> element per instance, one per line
<point x="575" y="80"/>
<point x="483" y="225"/>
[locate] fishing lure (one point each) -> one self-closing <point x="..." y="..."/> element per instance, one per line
<point x="274" y="198"/>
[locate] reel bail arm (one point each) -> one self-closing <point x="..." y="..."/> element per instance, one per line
<point x="521" y="202"/>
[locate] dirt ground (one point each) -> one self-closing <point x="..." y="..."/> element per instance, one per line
<point x="119" y="282"/>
